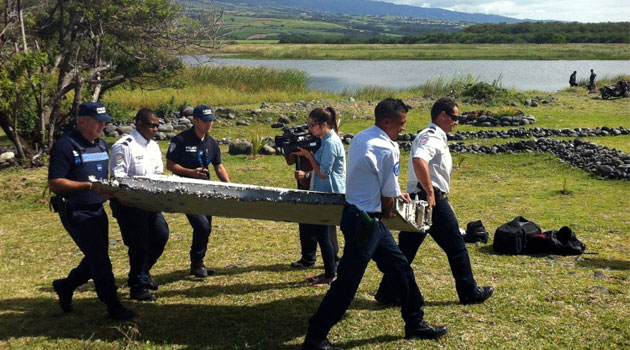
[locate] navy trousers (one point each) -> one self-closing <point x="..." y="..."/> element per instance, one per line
<point x="89" y="229"/>
<point x="202" y="227"/>
<point x="445" y="232"/>
<point x="145" y="233"/>
<point x="323" y="235"/>
<point x="381" y="247"/>
<point x="309" y="240"/>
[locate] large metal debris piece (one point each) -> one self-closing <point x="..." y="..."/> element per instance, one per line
<point x="176" y="194"/>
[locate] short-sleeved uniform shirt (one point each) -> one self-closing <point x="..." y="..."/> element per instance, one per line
<point x="331" y="158"/>
<point x="373" y="168"/>
<point x="74" y="158"/>
<point x="431" y="146"/>
<point x="189" y="151"/>
<point x="134" y="155"/>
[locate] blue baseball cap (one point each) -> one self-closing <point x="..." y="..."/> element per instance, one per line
<point x="204" y="113"/>
<point x="95" y="110"/>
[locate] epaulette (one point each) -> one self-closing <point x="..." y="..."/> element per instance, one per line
<point x="127" y="140"/>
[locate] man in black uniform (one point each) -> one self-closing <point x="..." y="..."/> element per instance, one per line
<point x="573" y="79"/>
<point x="189" y="155"/>
<point x="592" y="86"/>
<point x="73" y="158"/>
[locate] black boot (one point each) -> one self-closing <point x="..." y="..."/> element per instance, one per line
<point x="141" y="294"/>
<point x="480" y="294"/>
<point x="64" y="292"/>
<point x="201" y="271"/>
<point x="318" y="345"/>
<point x="423" y="330"/>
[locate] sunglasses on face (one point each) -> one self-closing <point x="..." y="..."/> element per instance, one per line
<point x="151" y="125"/>
<point x="453" y="116"/>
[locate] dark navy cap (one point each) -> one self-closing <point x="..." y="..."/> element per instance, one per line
<point x="204" y="113"/>
<point x="95" y="110"/>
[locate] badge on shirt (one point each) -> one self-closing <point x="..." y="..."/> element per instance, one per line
<point x="397" y="168"/>
<point x="99" y="167"/>
<point x="120" y="158"/>
<point x="191" y="149"/>
<point x="171" y="148"/>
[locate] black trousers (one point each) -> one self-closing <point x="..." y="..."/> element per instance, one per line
<point x="445" y="232"/>
<point x="145" y="233"/>
<point x="202" y="227"/>
<point x="381" y="247"/>
<point x="89" y="229"/>
<point x="324" y="236"/>
<point x="308" y="243"/>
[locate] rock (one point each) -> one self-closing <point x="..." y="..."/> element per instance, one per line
<point x="124" y="130"/>
<point x="242" y="123"/>
<point x="165" y="128"/>
<point x="528" y="102"/>
<point x="257" y="111"/>
<point x="534" y="104"/>
<point x="6" y="156"/>
<point x="109" y="128"/>
<point x="160" y="136"/>
<point x="267" y="150"/>
<point x="293" y="117"/>
<point x="283" y="119"/>
<point x="351" y="99"/>
<point x="240" y="147"/>
<point x="265" y="105"/>
<point x="186" y="111"/>
<point x="277" y="125"/>
<point x="269" y="120"/>
<point x="230" y="116"/>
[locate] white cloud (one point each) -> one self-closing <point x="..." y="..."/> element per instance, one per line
<point x="562" y="10"/>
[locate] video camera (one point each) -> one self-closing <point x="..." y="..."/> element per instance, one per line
<point x="296" y="136"/>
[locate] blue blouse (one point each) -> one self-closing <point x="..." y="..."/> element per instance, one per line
<point x="331" y="158"/>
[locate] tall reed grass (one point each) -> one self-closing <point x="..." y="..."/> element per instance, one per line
<point x="439" y="86"/>
<point x="248" y="79"/>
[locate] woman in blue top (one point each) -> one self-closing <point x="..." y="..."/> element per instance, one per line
<point x="328" y="175"/>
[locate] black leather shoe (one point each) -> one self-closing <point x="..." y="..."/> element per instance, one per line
<point x="321" y="345"/>
<point x="151" y="285"/>
<point x="141" y="294"/>
<point x="301" y="264"/>
<point x="386" y="301"/>
<point x="120" y="313"/>
<point x="423" y="330"/>
<point x="201" y="271"/>
<point x="64" y="294"/>
<point x="480" y="295"/>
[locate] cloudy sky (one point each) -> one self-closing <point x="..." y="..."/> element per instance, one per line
<point x="563" y="10"/>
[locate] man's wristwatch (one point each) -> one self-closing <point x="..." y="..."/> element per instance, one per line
<point x="307" y="176"/>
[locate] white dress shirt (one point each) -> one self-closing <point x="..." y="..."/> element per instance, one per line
<point x="133" y="155"/>
<point x="431" y="146"/>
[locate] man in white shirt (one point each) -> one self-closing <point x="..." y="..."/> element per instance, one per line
<point x="145" y="233"/>
<point x="430" y="168"/>
<point x="371" y="189"/>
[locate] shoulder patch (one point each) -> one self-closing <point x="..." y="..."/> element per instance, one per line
<point x="119" y="157"/>
<point x="172" y="147"/>
<point x="397" y="168"/>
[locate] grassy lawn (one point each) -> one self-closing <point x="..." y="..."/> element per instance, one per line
<point x="432" y="51"/>
<point x="257" y="302"/>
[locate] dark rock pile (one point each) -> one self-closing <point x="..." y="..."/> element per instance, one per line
<point x="600" y="160"/>
<point x="488" y="120"/>
<point x="522" y="133"/>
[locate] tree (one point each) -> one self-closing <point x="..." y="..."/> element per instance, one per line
<point x="56" y="54"/>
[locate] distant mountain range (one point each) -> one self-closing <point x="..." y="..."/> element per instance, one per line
<point x="355" y="8"/>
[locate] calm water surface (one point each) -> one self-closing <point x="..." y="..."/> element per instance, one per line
<point x="336" y="75"/>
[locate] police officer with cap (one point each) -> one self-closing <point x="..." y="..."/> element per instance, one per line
<point x="371" y="190"/>
<point x="189" y="155"/>
<point x="430" y="168"/>
<point x="144" y="232"/>
<point x="73" y="159"/>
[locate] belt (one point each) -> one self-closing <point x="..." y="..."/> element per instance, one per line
<point x="87" y="207"/>
<point x="354" y="210"/>
<point x="422" y="194"/>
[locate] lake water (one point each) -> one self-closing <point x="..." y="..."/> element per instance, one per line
<point x="339" y="75"/>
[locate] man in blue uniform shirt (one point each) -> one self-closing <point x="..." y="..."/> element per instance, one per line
<point x="144" y="232"/>
<point x="371" y="190"/>
<point x="73" y="159"/>
<point x="430" y="167"/>
<point x="189" y="155"/>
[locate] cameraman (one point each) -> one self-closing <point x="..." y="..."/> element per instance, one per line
<point x="328" y="175"/>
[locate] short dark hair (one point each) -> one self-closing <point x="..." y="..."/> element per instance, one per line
<point x="390" y="108"/>
<point x="144" y="114"/>
<point x="444" y="104"/>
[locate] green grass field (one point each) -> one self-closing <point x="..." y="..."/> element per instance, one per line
<point x="432" y="51"/>
<point x="257" y="302"/>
